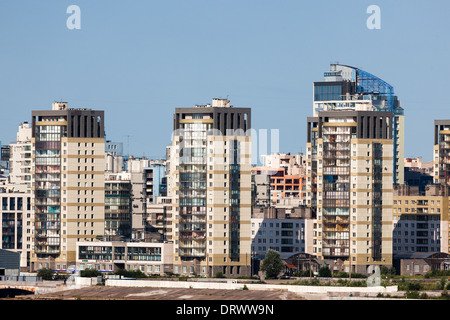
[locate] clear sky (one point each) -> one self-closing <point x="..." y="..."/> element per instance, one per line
<point x="140" y="59"/>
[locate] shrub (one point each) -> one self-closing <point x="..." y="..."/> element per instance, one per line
<point x="130" y="273"/>
<point x="414" y="286"/>
<point x="440" y="285"/>
<point x="412" y="295"/>
<point x="409" y="286"/>
<point x="302" y="273"/>
<point x="46" y="273"/>
<point x="437" y="273"/>
<point x="386" y="271"/>
<point x="219" y="275"/>
<point x="324" y="272"/>
<point x="351" y="283"/>
<point x="90" y="273"/>
<point x="342" y="274"/>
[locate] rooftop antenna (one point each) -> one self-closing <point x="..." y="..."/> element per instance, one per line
<point x="128" y="144"/>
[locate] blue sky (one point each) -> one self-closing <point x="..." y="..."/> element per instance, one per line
<point x="138" y="60"/>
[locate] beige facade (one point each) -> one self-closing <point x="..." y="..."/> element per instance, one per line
<point x="219" y="200"/>
<point x="400" y="148"/>
<point x="159" y="216"/>
<point x="83" y="194"/>
<point x="441" y="152"/>
<point x="210" y="184"/>
<point x="20" y="157"/>
<point x="420" y="221"/>
<point x="68" y="183"/>
<point x="349" y="188"/>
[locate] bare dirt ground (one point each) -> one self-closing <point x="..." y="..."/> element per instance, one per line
<point x="136" y="293"/>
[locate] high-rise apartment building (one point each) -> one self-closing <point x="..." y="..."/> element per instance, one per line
<point x="209" y="172"/>
<point x="349" y="88"/>
<point x="118" y="211"/>
<point x="20" y="157"/>
<point x="68" y="182"/>
<point x="441" y="156"/>
<point x="349" y="186"/>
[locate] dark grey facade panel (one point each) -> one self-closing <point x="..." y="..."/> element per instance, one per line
<point x="9" y="259"/>
<point x="223" y="118"/>
<point x="437" y="128"/>
<point x="81" y="123"/>
<point x="370" y="124"/>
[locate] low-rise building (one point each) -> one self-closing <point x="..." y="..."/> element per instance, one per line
<point x="287" y="231"/>
<point x="282" y="185"/>
<point x="420" y="221"/>
<point x="108" y="257"/>
<point x="9" y="263"/>
<point x="15" y="216"/>
<point x="419" y="263"/>
<point x="159" y="217"/>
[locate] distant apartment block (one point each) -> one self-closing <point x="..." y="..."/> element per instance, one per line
<point x="260" y="189"/>
<point x="420" y="220"/>
<point x="441" y="155"/>
<point x="418" y="173"/>
<point x="282" y="185"/>
<point x="287" y="231"/>
<point x="114" y="148"/>
<point x="135" y="168"/>
<point x="4" y="158"/>
<point x="285" y="174"/>
<point x="16" y="216"/>
<point x="155" y="181"/>
<point x="294" y="164"/>
<point x="159" y="217"/>
<point x="20" y="157"/>
<point x="118" y="212"/>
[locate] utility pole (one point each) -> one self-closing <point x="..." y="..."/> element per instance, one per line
<point x="350" y="266"/>
<point x="128" y="144"/>
<point x="309" y="267"/>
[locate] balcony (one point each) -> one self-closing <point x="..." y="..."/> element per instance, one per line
<point x="200" y="236"/>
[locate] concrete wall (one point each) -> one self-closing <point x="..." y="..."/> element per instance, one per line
<point x="233" y="285"/>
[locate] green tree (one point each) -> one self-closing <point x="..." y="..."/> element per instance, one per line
<point x="272" y="264"/>
<point x="46" y="273"/>
<point x="90" y="273"/>
<point x="324" y="272"/>
<point x="131" y="273"/>
<point x="386" y="271"/>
